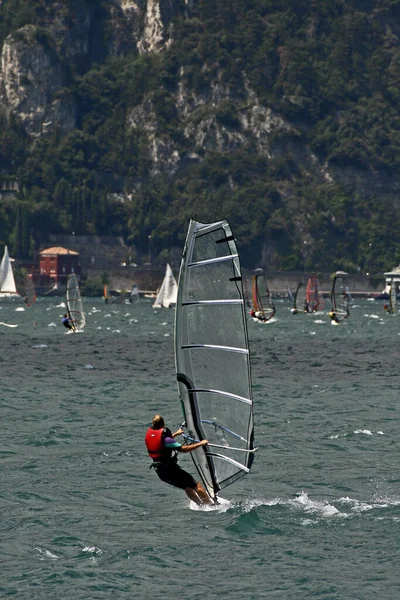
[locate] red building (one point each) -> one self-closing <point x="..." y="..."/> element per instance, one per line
<point x="57" y="263"/>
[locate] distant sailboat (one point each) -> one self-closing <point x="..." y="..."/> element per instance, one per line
<point x="7" y="281"/>
<point x="75" y="304"/>
<point x="168" y="290"/>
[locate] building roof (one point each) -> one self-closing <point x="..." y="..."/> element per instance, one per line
<point x="57" y="250"/>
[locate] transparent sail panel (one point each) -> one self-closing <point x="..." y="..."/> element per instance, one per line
<point x="209" y="245"/>
<point x="218" y="370"/>
<point x="213" y="282"/>
<point x="206" y="324"/>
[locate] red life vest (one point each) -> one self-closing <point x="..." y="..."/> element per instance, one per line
<point x="154" y="443"/>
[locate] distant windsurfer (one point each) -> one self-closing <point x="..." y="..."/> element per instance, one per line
<point x="334" y="317"/>
<point x="67" y="322"/>
<point x="386" y="308"/>
<point x="162" y="448"/>
<point x="257" y="314"/>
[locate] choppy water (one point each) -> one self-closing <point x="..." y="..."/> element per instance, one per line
<point x="84" y="518"/>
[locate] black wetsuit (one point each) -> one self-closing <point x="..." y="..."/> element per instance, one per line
<point x="167" y="467"/>
<point x="67" y="323"/>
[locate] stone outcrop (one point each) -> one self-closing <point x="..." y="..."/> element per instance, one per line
<point x="31" y="76"/>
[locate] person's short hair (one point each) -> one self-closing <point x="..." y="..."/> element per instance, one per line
<point x="157" y="422"/>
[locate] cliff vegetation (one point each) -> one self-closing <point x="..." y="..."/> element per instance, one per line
<point x="130" y="117"/>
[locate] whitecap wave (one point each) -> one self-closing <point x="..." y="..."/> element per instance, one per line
<point x="43" y="554"/>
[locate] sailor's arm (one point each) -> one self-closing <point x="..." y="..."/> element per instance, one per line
<point x="179" y="432"/>
<point x="191" y="447"/>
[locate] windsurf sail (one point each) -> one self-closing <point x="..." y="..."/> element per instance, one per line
<point x="113" y="296"/>
<point x="392" y="296"/>
<point x="340" y="296"/>
<point x="299" y="299"/>
<point x="30" y="293"/>
<point x="262" y="302"/>
<point x="106" y="294"/>
<point x="212" y="356"/>
<point x="7" y="281"/>
<point x="134" y="295"/>
<point x="168" y="291"/>
<point x="314" y="297"/>
<point x="75" y="304"/>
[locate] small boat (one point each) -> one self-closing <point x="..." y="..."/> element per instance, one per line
<point x="168" y="291"/>
<point x="212" y="356"/>
<point x="340" y="298"/>
<point x="75" y="304"/>
<point x="7" y="281"/>
<point x="263" y="308"/>
<point x="314" y="298"/>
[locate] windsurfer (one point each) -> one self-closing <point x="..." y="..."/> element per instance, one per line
<point x="161" y="447"/>
<point x="334" y="316"/>
<point x="386" y="308"/>
<point x="67" y="322"/>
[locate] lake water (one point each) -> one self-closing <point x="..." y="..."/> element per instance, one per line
<point x="83" y="517"/>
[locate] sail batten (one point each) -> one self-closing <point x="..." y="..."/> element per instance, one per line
<point x="205" y="302"/>
<point x="226" y="348"/>
<point x="213" y="391"/>
<point x="210" y="261"/>
<point x="212" y="355"/>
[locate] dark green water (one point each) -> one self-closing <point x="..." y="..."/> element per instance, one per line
<point x="83" y="517"/>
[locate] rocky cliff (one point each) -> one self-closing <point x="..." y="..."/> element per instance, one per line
<point x="215" y="86"/>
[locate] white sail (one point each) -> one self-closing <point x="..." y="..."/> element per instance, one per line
<point x="7" y="282"/>
<point x="74" y="303"/>
<point x="134" y="295"/>
<point x="392" y="296"/>
<point x="168" y="290"/>
<point x="212" y="355"/>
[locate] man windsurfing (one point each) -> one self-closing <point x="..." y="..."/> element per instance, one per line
<point x="68" y="323"/>
<point x="163" y="449"/>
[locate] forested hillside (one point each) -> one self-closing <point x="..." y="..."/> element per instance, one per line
<point x="130" y="117"/>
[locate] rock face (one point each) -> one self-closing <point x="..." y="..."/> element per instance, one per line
<point x="157" y="27"/>
<point x="35" y="76"/>
<point x="31" y="74"/>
